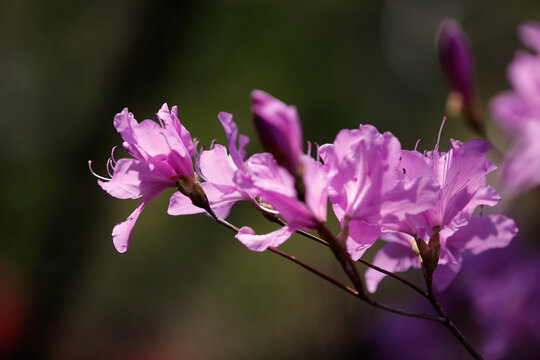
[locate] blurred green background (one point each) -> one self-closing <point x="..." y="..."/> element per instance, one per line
<point x="186" y="289"/>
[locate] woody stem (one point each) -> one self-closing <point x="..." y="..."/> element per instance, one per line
<point x="406" y="282"/>
<point x="447" y="321"/>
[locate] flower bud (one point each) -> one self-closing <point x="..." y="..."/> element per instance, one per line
<point x="430" y="252"/>
<point x="456" y="58"/>
<point x="279" y="130"/>
<point x="190" y="186"/>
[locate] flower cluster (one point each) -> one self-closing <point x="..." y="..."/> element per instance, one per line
<point x="422" y="204"/>
<point x="518" y="112"/>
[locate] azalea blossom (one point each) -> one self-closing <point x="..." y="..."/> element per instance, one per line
<point x="162" y="156"/>
<point x="217" y="168"/>
<point x="367" y="187"/>
<point x="452" y="223"/>
<point x="518" y="112"/>
<point x="284" y="182"/>
<point x="276" y="187"/>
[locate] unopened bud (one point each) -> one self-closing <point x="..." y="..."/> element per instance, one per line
<point x="429" y="252"/>
<point x="456" y="56"/>
<point x="279" y="129"/>
<point x="191" y="187"/>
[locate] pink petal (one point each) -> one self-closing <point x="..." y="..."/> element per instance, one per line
<point x="132" y="179"/>
<point x="268" y="176"/>
<point x="361" y="236"/>
<point x="180" y="204"/>
<point x="409" y="197"/>
<point x="392" y="257"/>
<point x="529" y="33"/>
<point x="217" y="167"/>
<point x="524" y="74"/>
<point x="122" y="231"/>
<point x="444" y="274"/>
<point x="172" y="122"/>
<point x="511" y="110"/>
<point x="316" y="188"/>
<point x="294" y="211"/>
<point x="231" y="130"/>
<point x="254" y="242"/>
<point x="414" y="164"/>
<point x="483" y="233"/>
<point x="144" y="140"/>
<point x="521" y="171"/>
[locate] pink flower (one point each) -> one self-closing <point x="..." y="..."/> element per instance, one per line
<point x="461" y="175"/>
<point x="518" y="111"/>
<point x="269" y="180"/>
<point x="162" y="155"/>
<point x="218" y="169"/>
<point x="279" y="129"/>
<point x="273" y="184"/>
<point x="368" y="189"/>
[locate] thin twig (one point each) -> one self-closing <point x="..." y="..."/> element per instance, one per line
<point x="341" y="254"/>
<point x="395" y="276"/>
<point x="349" y="267"/>
<point x="326" y="277"/>
<point x="447" y="321"/>
<point x="363" y="261"/>
<point x="280" y="221"/>
<point x="294" y="259"/>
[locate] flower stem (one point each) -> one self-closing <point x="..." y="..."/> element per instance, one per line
<point x="335" y="282"/>
<point x="293" y="259"/>
<point x="363" y="261"/>
<point x="447" y="321"/>
<point x="350" y="269"/>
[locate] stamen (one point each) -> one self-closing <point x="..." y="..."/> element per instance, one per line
<point x="197" y="158"/>
<point x="96" y="175"/>
<point x="317" y="146"/>
<point x="440" y="132"/>
<point x="212" y="144"/>
<point x="417" y="142"/>
<point x="196" y="144"/>
<point x="112" y="155"/>
<point x="308" y="148"/>
<point x="109" y="167"/>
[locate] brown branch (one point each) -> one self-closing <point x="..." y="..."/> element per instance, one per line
<point x="278" y="220"/>
<point x="330" y="279"/>
<point x="447" y="321"/>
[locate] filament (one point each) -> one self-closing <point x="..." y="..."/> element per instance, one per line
<point x="96" y="175"/>
<point x="440" y="132"/>
<point x="109" y="167"/>
<point x="112" y="155"/>
<point x="417" y="142"/>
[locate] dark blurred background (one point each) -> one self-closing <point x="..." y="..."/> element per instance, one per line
<point x="186" y="289"/>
